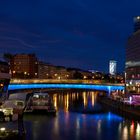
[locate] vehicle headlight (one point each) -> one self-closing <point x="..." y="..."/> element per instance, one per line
<point x="2" y="129"/>
<point x="3" y="110"/>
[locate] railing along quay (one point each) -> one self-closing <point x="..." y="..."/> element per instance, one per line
<point x="126" y="110"/>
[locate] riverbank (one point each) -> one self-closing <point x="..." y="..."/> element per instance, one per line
<point x="126" y="110"/>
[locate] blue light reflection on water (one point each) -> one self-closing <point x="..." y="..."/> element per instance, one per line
<point x="68" y="125"/>
<point x="76" y="86"/>
<point x="74" y="125"/>
<point x="108" y="116"/>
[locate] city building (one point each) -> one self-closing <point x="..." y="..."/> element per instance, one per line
<point x="133" y="59"/>
<point x="46" y="71"/>
<point x="24" y="66"/>
<point x="4" y="67"/>
<point x="112" y="67"/>
<point x="136" y="23"/>
<point x="43" y="70"/>
<point x="4" y="77"/>
<point x="62" y="73"/>
<point x="27" y="66"/>
<point x="49" y="71"/>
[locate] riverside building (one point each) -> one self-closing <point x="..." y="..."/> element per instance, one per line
<point x="24" y="66"/>
<point x="133" y="59"/>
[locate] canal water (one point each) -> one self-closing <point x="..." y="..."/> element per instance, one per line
<point x="80" y="117"/>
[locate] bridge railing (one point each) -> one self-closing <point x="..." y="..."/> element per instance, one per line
<point x="61" y="81"/>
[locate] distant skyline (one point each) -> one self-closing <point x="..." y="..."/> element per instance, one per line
<point x="76" y="33"/>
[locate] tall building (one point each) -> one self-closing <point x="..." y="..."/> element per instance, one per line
<point x="136" y="23"/>
<point x="24" y="66"/>
<point x="133" y="58"/>
<point x="112" y="67"/>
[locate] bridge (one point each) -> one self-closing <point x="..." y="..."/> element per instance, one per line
<point x="17" y="84"/>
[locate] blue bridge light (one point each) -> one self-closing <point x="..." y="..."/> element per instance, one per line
<point x="66" y="86"/>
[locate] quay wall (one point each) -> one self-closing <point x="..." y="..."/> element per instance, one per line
<point x="125" y="110"/>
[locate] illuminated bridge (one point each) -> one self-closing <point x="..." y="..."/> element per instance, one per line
<point x="20" y="84"/>
<point x="107" y="88"/>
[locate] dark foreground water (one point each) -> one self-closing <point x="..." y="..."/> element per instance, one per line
<point x="80" y="117"/>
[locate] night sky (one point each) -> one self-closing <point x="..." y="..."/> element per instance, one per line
<point x="74" y="33"/>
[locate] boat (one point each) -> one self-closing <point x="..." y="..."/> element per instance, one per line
<point x="41" y="103"/>
<point x="13" y="106"/>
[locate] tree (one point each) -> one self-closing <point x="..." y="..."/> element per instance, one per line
<point x="106" y="77"/>
<point x="77" y="75"/>
<point x="7" y="57"/>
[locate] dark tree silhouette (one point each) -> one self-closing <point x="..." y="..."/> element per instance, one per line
<point x="7" y="57"/>
<point x="77" y="75"/>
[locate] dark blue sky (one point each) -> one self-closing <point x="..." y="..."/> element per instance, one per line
<point x="75" y="33"/>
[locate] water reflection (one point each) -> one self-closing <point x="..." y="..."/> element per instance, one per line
<point x="129" y="129"/>
<point x="77" y="118"/>
<point x="99" y="127"/>
<point x="125" y="133"/>
<point x="85" y="99"/>
<point x="138" y="131"/>
<point x="78" y="101"/>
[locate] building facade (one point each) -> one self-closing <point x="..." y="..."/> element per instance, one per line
<point x="48" y="71"/>
<point x="24" y="66"/>
<point x="136" y="23"/>
<point x="133" y="59"/>
<point x="4" y="78"/>
<point x="44" y="70"/>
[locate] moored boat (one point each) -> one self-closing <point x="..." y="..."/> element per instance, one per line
<point x="13" y="106"/>
<point x="41" y="103"/>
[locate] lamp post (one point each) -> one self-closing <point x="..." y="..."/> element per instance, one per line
<point x="125" y="82"/>
<point x="13" y="73"/>
<point x="25" y="74"/>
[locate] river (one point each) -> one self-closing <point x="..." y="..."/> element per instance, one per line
<point x="80" y="117"/>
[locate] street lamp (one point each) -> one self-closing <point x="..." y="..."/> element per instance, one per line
<point x="13" y="73"/>
<point x="25" y="74"/>
<point x="125" y="82"/>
